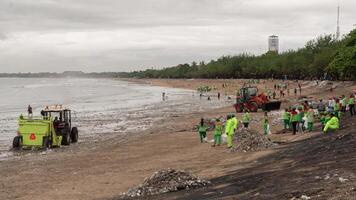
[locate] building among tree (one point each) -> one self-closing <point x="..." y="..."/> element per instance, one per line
<point x="273" y="43"/>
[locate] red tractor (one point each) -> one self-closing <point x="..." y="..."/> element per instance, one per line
<point x="247" y="98"/>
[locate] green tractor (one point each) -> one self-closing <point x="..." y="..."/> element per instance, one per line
<point x="52" y="129"/>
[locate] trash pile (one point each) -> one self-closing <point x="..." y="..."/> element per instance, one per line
<point x="166" y="180"/>
<point x="249" y="140"/>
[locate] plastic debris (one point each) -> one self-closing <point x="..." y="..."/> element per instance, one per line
<point x="249" y="140"/>
<point x="166" y="180"/>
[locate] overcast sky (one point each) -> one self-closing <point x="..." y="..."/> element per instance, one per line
<point x="125" y="35"/>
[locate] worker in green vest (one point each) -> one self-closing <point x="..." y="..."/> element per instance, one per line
<point x="310" y="117"/>
<point x="202" y="128"/>
<point x="217" y="133"/>
<point x="246" y="119"/>
<point x="332" y="124"/>
<point x="265" y="124"/>
<point x="294" y="119"/>
<point x="343" y="103"/>
<point x="286" y="118"/>
<point x="234" y="121"/>
<point x="229" y="131"/>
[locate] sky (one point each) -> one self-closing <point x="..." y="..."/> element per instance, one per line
<point x="127" y="35"/>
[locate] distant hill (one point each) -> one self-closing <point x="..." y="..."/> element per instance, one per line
<point x="323" y="57"/>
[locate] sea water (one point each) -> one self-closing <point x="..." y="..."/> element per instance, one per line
<point x="100" y="106"/>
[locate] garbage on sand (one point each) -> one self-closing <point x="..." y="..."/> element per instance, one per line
<point x="249" y="140"/>
<point x="166" y="180"/>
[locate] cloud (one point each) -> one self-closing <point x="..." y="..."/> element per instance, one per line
<point x="115" y="35"/>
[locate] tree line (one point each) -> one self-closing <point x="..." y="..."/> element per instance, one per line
<point x="323" y="57"/>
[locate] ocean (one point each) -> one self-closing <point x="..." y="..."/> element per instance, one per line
<point x="104" y="107"/>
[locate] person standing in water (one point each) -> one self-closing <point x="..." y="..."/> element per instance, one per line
<point x="163" y="96"/>
<point x="29" y="110"/>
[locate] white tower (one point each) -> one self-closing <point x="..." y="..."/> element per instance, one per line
<point x="273" y="43"/>
<point x="338" y="23"/>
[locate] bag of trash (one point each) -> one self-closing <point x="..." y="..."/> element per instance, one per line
<point x="223" y="138"/>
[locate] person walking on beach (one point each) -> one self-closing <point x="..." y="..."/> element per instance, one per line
<point x="163" y="96"/>
<point x="286" y="119"/>
<point x="234" y="121"/>
<point x="29" y="110"/>
<point x="202" y="128"/>
<point x="310" y="118"/>
<point x="229" y="131"/>
<point x="217" y="133"/>
<point x="300" y="119"/>
<point x="300" y="89"/>
<point x="266" y="124"/>
<point x="246" y="119"/>
<point x="294" y="120"/>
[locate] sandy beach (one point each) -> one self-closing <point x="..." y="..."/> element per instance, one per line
<point x="105" y="168"/>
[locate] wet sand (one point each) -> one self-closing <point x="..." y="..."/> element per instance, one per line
<point x="103" y="169"/>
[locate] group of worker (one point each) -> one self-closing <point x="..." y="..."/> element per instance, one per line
<point x="231" y="125"/>
<point x="301" y="117"/>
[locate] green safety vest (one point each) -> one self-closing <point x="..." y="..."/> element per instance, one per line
<point x="294" y="118"/>
<point x="234" y="122"/>
<point x="343" y="102"/>
<point x="286" y="115"/>
<point x="334" y="121"/>
<point x="351" y="100"/>
<point x="246" y="118"/>
<point x="337" y="107"/>
<point x="218" y="129"/>
<point x="229" y="127"/>
<point x="202" y="129"/>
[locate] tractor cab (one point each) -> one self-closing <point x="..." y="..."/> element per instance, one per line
<point x="246" y="93"/>
<point x="62" y="122"/>
<point x="61" y="117"/>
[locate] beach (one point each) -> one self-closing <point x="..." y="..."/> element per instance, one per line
<point x="105" y="167"/>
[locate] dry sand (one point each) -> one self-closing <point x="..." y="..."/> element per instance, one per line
<point x="105" y="169"/>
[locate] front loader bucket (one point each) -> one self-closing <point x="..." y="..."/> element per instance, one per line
<point x="274" y="105"/>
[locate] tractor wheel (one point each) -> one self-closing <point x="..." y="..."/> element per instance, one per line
<point x="74" y="134"/>
<point x="66" y="136"/>
<point x="45" y="143"/>
<point x="16" y="143"/>
<point x="253" y="107"/>
<point x="238" y="107"/>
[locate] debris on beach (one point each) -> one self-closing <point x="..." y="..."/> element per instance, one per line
<point x="249" y="140"/>
<point x="166" y="180"/>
